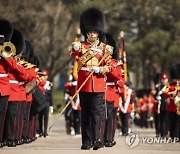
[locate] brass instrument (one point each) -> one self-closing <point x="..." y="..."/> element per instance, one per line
<point x="7" y="50"/>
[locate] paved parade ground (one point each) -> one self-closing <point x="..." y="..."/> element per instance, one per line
<point x="59" y="143"/>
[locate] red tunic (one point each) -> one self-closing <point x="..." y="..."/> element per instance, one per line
<point x="17" y="73"/>
<point x="72" y="90"/>
<point x="34" y="74"/>
<point x="126" y="106"/>
<point x="96" y="82"/>
<point x="112" y="77"/>
<point x="4" y="78"/>
<point x="171" y="107"/>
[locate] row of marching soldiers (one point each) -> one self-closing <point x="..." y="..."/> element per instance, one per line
<point x="162" y="106"/>
<point x="23" y="98"/>
<point x="97" y="81"/>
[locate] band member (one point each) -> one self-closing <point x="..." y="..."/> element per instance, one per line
<point x="17" y="73"/>
<point x="26" y="113"/>
<point x="157" y="82"/>
<point x="172" y="107"/>
<point x="5" y="36"/>
<point x="44" y="113"/>
<point x="126" y="108"/>
<point x="73" y="113"/>
<point x="110" y="95"/>
<point x="19" y="42"/>
<point x="175" y="75"/>
<point x="162" y="103"/>
<point x="90" y="53"/>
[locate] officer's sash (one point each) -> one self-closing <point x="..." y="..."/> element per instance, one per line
<point x="89" y="54"/>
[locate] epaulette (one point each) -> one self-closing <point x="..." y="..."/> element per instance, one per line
<point x="22" y="62"/>
<point x="36" y="69"/>
<point x="119" y="63"/>
<point x="29" y="65"/>
<point x="108" y="50"/>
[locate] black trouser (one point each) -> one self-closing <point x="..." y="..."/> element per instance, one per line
<point x="172" y="120"/>
<point x="43" y="120"/>
<point x="26" y="119"/>
<point x="10" y="122"/>
<point x="77" y="121"/>
<point x="92" y="109"/>
<point x="143" y="120"/>
<point x="125" y="122"/>
<point x="178" y="126"/>
<point x="157" y="123"/>
<point x="3" y="109"/>
<point x="114" y="122"/>
<point x="108" y="133"/>
<point x="163" y="123"/>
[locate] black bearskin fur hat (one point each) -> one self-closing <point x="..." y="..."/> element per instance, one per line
<point x="18" y="41"/>
<point x="6" y="29"/>
<point x="36" y="61"/>
<point x="31" y="53"/>
<point x="157" y="78"/>
<point x="111" y="41"/>
<point x="92" y="19"/>
<point x="25" y="54"/>
<point x="175" y="71"/>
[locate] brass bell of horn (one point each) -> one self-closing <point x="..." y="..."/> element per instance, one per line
<point x="7" y="50"/>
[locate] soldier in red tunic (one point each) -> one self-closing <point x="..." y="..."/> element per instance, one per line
<point x="5" y="36"/>
<point x="113" y="76"/>
<point x="126" y="108"/>
<point x="17" y="74"/>
<point x="173" y="105"/>
<point x="89" y="54"/>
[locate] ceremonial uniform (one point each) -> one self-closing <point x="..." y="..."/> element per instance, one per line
<point x="16" y="72"/>
<point x="111" y="100"/>
<point x="90" y="53"/>
<point x="126" y="109"/>
<point x="4" y="94"/>
<point x="171" y="109"/>
<point x="71" y="86"/>
<point x="174" y="102"/>
<point x="112" y="93"/>
<point x="5" y="35"/>
<point x="46" y="87"/>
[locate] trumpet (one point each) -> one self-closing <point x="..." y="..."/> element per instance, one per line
<point x="7" y="50"/>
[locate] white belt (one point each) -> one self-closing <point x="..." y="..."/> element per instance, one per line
<point x="3" y="75"/>
<point x="13" y="81"/>
<point x="86" y="69"/>
<point x="21" y="83"/>
<point x="110" y="83"/>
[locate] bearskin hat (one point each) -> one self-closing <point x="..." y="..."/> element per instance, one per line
<point x="157" y="78"/>
<point x="18" y="41"/>
<point x="25" y="54"/>
<point x="92" y="19"/>
<point x="31" y="53"/>
<point x="6" y="29"/>
<point x="175" y="71"/>
<point x="36" y="61"/>
<point x="111" y="41"/>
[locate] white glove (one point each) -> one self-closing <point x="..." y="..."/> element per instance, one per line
<point x="74" y="83"/>
<point x="96" y="69"/>
<point x="158" y="98"/>
<point x="51" y="109"/>
<point x="75" y="46"/>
